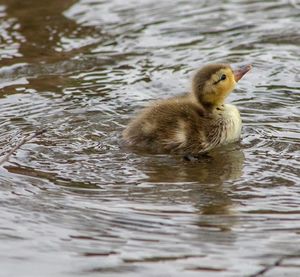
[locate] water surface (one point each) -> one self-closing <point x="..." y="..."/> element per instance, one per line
<point x="74" y="202"/>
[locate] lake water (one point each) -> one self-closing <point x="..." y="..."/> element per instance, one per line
<point x="74" y="202"/>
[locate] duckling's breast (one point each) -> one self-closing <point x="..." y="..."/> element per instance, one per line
<point x="232" y="124"/>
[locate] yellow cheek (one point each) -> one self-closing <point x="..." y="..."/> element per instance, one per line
<point x="225" y="88"/>
<point x="216" y="93"/>
<point x="213" y="97"/>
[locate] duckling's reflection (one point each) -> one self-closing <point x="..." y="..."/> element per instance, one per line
<point x="220" y="165"/>
<point x="206" y="184"/>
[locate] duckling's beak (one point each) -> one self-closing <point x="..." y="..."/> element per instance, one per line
<point x="239" y="73"/>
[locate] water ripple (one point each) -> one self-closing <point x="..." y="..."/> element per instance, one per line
<point x="76" y="196"/>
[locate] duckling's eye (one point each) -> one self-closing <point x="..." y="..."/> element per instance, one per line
<point x="223" y="77"/>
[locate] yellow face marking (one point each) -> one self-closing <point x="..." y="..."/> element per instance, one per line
<point x="216" y="89"/>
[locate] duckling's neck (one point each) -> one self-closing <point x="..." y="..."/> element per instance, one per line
<point x="225" y="111"/>
<point x="218" y="110"/>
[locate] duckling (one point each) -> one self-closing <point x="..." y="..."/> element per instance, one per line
<point x="194" y="123"/>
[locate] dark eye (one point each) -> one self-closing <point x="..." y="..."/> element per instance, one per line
<point x="223" y="77"/>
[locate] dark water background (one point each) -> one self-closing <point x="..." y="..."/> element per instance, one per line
<point x="75" y="203"/>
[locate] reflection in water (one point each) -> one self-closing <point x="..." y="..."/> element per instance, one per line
<point x="202" y="182"/>
<point x="219" y="166"/>
<point x="74" y="201"/>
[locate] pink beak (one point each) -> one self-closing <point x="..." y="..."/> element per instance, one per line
<point x="239" y="73"/>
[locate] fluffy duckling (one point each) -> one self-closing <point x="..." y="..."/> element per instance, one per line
<point x="194" y="123"/>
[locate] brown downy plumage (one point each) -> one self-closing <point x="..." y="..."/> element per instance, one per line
<point x="194" y="123"/>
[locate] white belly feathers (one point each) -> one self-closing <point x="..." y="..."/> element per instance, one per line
<point x="232" y="124"/>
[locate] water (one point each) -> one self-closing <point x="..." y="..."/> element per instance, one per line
<point x="74" y="202"/>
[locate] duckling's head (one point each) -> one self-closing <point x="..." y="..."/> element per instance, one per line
<point x="213" y="83"/>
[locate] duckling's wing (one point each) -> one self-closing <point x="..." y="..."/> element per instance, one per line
<point x="177" y="126"/>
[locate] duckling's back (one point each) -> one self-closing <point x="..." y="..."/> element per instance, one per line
<point x="177" y="125"/>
